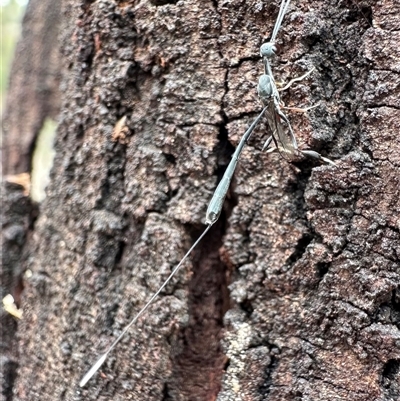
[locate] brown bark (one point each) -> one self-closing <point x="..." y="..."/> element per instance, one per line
<point x="33" y="91"/>
<point x="33" y="95"/>
<point x="298" y="281"/>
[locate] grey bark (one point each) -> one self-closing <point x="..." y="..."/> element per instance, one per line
<point x="294" y="295"/>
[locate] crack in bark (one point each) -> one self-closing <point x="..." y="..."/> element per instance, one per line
<point x="198" y="368"/>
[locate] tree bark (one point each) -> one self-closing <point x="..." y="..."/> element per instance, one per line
<point x="33" y="94"/>
<point x="295" y="293"/>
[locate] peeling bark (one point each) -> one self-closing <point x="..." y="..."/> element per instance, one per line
<point x="294" y="294"/>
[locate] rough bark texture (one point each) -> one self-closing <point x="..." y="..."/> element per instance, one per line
<point x="295" y="293"/>
<point x="33" y="94"/>
<point x="16" y="216"/>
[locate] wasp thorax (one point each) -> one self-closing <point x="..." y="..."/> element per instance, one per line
<point x="267" y="50"/>
<point x="265" y="89"/>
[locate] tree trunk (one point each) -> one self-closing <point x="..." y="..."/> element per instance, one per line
<point x="295" y="293"/>
<point x="33" y="95"/>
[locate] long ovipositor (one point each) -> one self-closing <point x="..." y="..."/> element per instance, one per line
<point x="269" y="96"/>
